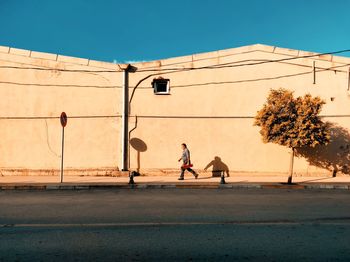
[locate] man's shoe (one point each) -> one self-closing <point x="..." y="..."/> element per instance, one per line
<point x="196" y="176"/>
<point x="180" y="178"/>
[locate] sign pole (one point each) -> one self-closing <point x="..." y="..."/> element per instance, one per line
<point x="63" y="119"/>
<point x="62" y="154"/>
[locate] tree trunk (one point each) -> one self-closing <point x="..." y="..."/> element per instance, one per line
<point x="291" y="166"/>
<point x="335" y="170"/>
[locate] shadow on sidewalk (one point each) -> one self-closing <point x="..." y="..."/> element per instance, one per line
<point x="205" y="177"/>
<point x="312" y="180"/>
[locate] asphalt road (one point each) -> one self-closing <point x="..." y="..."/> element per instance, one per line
<point x="175" y="225"/>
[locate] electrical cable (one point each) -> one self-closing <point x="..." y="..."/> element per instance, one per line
<point x="55" y="117"/>
<point x="225" y="65"/>
<point x="173" y="71"/>
<point x="318" y="69"/>
<point x="57" y="85"/>
<point x="59" y="70"/>
<point x="228" y="65"/>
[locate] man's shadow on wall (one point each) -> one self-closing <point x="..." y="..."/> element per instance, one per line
<point x="333" y="157"/>
<point x="219" y="167"/>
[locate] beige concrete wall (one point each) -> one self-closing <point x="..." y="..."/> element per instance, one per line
<point x="211" y="110"/>
<point x="234" y="139"/>
<point x="32" y="143"/>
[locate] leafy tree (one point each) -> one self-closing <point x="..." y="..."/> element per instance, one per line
<point x="292" y="122"/>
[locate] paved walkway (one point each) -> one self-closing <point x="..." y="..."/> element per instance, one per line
<point x="236" y="180"/>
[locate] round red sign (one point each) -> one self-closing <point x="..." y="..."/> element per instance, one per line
<point x="63" y="119"/>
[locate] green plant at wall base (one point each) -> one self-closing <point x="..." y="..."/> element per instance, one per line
<point x="292" y="122"/>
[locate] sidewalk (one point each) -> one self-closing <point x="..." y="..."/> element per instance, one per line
<point x="245" y="180"/>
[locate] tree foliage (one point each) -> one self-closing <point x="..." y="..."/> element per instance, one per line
<point x="292" y="122"/>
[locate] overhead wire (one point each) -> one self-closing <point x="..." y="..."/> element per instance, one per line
<point x="59" y="69"/>
<point x="233" y="64"/>
<point x="150" y="117"/>
<point x="238" y="81"/>
<point x="227" y="65"/>
<point x="259" y="79"/>
<point x="215" y="117"/>
<point x="169" y="71"/>
<point x="318" y="69"/>
<point x="55" y="117"/>
<point x="58" y="85"/>
<point x="224" y="65"/>
<point x="158" y="72"/>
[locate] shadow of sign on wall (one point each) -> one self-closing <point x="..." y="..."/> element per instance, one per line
<point x="140" y="146"/>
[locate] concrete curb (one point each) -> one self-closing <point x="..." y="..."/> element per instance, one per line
<point x="38" y="187"/>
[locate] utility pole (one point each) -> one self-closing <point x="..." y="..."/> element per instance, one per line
<point x="125" y="117"/>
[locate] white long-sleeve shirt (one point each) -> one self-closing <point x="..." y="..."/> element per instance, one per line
<point x="185" y="156"/>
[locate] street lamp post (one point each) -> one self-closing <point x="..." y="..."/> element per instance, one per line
<point x="125" y="117"/>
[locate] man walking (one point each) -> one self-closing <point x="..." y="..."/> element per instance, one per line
<point x="185" y="157"/>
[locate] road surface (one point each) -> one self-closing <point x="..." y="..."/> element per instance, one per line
<point x="175" y="225"/>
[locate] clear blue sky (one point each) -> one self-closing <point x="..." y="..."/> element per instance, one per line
<point x="152" y="29"/>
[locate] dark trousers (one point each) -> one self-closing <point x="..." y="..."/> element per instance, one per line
<point x="188" y="169"/>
